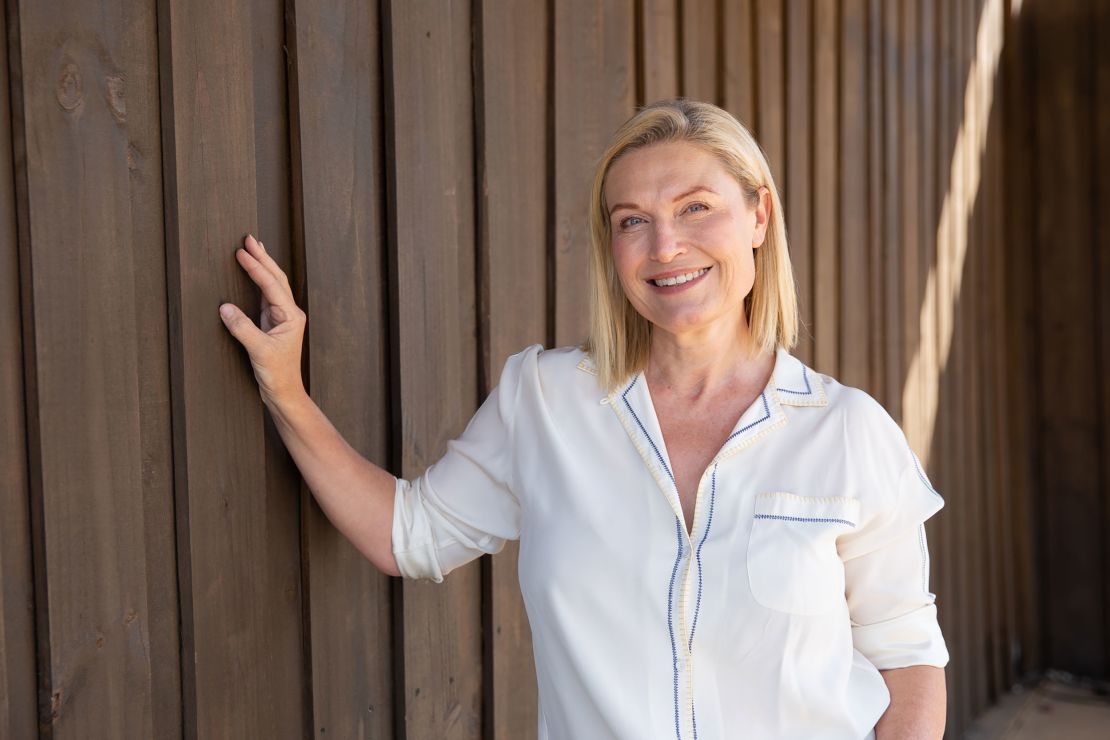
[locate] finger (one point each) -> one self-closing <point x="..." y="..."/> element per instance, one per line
<point x="273" y="290"/>
<point x="241" y="327"/>
<point x="258" y="250"/>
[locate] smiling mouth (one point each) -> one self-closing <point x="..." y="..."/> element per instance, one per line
<point x="679" y="279"/>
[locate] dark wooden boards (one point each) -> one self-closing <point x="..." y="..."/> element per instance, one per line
<point x="237" y="536"/>
<point x="338" y="238"/>
<point x="434" y="352"/>
<point x="421" y="170"/>
<point x="94" y="344"/>
<point x="595" y="61"/>
<point x="18" y="685"/>
<point x="514" y="138"/>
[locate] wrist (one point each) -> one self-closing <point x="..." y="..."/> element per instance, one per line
<point x="287" y="401"/>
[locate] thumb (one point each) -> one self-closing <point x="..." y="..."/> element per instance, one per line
<point x="241" y="327"/>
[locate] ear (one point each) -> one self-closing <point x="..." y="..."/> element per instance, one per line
<point x="762" y="217"/>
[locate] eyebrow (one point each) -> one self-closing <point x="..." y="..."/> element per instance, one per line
<point x="691" y="191"/>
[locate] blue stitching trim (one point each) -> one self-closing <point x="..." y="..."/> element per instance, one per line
<point x="921" y="473"/>
<point x="708" y="524"/>
<point x="804" y="519"/>
<point x="670" y="623"/>
<point x="766" y="416"/>
<point x="807" y="391"/>
<point x="659" y="455"/>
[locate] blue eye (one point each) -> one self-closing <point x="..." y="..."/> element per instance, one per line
<point x="695" y="205"/>
<point x="627" y="222"/>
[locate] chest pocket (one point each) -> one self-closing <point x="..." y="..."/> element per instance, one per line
<point x="793" y="565"/>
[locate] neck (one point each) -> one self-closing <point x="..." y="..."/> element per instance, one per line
<point x="697" y="364"/>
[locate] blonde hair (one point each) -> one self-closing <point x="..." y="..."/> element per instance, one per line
<point x="619" y="337"/>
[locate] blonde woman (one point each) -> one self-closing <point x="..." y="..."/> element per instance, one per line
<point x="716" y="540"/>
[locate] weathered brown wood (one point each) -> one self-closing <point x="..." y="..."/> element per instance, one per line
<point x="338" y="237"/>
<point x="1100" y="195"/>
<point x="17" y="597"/>
<point x="594" y="93"/>
<point x="92" y="293"/>
<point x="797" y="187"/>
<point x="430" y="159"/>
<point x="1020" y="337"/>
<point x="513" y="138"/>
<point x="770" y="70"/>
<point x="891" y="199"/>
<point x="853" y="326"/>
<point x="826" y="163"/>
<point x="909" y="94"/>
<point x="739" y="58"/>
<point x="699" y="48"/>
<point x="1066" y="305"/>
<point x="658" y="47"/>
<point x="876" y="191"/>
<point x="239" y="571"/>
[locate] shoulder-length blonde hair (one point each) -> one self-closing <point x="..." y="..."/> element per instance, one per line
<point x="619" y="337"/>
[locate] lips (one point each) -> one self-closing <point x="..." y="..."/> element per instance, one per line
<point x="678" y="279"/>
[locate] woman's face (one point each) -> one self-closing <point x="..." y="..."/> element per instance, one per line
<point x="683" y="236"/>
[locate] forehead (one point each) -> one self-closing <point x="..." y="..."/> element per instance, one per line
<point x="662" y="169"/>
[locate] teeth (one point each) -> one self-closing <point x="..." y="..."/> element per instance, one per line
<point x="680" y="279"/>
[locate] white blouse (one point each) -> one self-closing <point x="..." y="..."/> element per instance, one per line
<point x="807" y="570"/>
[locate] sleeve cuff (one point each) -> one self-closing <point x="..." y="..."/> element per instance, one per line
<point x="911" y="639"/>
<point x="413" y="546"/>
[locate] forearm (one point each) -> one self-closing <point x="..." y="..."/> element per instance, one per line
<point x="918" y="704"/>
<point x="354" y="493"/>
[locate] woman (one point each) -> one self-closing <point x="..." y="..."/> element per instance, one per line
<point x="715" y="539"/>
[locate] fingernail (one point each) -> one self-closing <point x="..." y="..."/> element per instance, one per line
<point x="251" y="237"/>
<point x="225" y="311"/>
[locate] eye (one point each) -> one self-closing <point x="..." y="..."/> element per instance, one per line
<point x="628" y="221"/>
<point x="696" y="205"/>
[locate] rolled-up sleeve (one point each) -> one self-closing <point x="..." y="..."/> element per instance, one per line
<point x="886" y="569"/>
<point x="464" y="505"/>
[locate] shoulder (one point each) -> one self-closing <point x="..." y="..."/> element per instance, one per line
<point x="555" y="372"/>
<point x="869" y="431"/>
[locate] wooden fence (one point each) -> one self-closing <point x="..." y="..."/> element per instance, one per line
<point x="420" y="169"/>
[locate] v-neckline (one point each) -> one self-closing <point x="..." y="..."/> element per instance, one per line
<point x="635" y="407"/>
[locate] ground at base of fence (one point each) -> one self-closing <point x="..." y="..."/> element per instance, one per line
<point x="1056" y="708"/>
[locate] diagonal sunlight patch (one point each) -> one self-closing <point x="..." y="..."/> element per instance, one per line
<point x="942" y="289"/>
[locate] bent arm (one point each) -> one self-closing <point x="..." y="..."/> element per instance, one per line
<point x="918" y="704"/>
<point x="356" y="495"/>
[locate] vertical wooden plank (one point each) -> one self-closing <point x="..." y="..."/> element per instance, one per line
<point x="658" y="48"/>
<point x="594" y="93"/>
<point x="971" y="294"/>
<point x="17" y="597"/>
<point x="338" y="236"/>
<point x="1062" y="38"/>
<point x="797" y="188"/>
<point x="98" y="428"/>
<point x="894" y="380"/>
<point x="940" y="460"/>
<point x="826" y="187"/>
<point x="1021" y="327"/>
<point x="909" y="252"/>
<point x="770" y="69"/>
<point x="429" y="142"/>
<point x="876" y="190"/>
<point x="698" y="23"/>
<point x="739" y="58"/>
<point x="1100" y="194"/>
<point x="854" y="284"/>
<point x="239" y="575"/>
<point x="513" y="140"/>
<point x="280" y="560"/>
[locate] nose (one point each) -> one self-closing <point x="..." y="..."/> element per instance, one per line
<point x="665" y="243"/>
